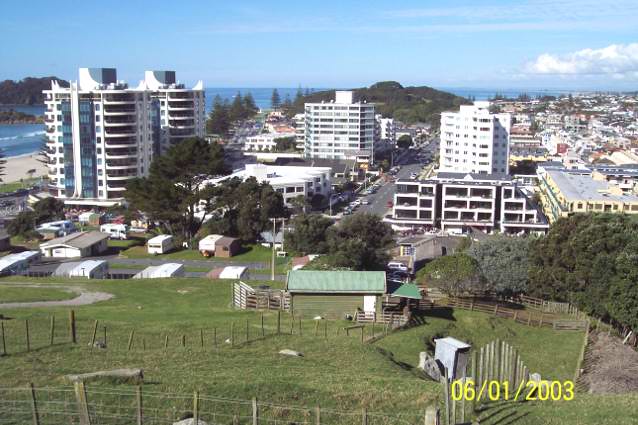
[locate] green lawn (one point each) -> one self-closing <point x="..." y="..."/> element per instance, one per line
<point x="13" y="186"/>
<point x="10" y="294"/>
<point x="338" y="373"/>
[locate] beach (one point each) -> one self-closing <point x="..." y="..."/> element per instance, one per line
<point x="17" y="166"/>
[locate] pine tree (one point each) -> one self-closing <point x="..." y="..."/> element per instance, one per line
<point x="249" y="104"/>
<point x="218" y="121"/>
<point x="275" y="99"/>
<point x="237" y="111"/>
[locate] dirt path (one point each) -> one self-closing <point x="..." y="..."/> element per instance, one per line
<point x="610" y="367"/>
<point x="84" y="297"/>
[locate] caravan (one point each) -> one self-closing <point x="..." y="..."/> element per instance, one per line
<point x="115" y="231"/>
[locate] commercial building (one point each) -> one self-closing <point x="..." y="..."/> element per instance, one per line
<point x="80" y="244"/>
<point x="101" y="133"/>
<point x="567" y="192"/>
<point x="340" y="129"/>
<point x="458" y="203"/>
<point x="290" y="181"/>
<point x="474" y="140"/>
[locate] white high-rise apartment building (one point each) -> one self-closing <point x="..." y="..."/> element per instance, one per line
<point x="475" y="141"/>
<point x="341" y="129"/>
<point x="101" y="133"/>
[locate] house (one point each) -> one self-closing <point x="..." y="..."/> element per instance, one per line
<point x="90" y="218"/>
<point x="335" y="294"/>
<point x="81" y="244"/>
<point x="16" y="263"/>
<point x="164" y="270"/>
<point x="91" y="269"/>
<point x="160" y="244"/>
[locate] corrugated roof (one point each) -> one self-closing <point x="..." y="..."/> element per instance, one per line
<point x="407" y="290"/>
<point x="335" y="281"/>
<point x="77" y="240"/>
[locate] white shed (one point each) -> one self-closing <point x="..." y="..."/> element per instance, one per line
<point x="234" y="272"/>
<point x="16" y="263"/>
<point x="163" y="270"/>
<point x="160" y="244"/>
<point x="91" y="269"/>
<point x="81" y="244"/>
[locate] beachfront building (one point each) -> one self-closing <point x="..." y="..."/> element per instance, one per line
<point x="474" y="140"/>
<point x="266" y="141"/>
<point x="340" y="129"/>
<point x="459" y="203"/>
<point x="566" y="192"/>
<point x="101" y="133"/>
<point x="290" y="181"/>
<point x="386" y="130"/>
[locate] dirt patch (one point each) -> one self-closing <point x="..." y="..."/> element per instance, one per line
<point x="84" y="297"/>
<point x="610" y="367"/>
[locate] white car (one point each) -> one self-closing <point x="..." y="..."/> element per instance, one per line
<point x="365" y="202"/>
<point x="356" y="202"/>
<point x="395" y="265"/>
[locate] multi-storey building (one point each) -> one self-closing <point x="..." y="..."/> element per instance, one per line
<point x="386" y="131"/>
<point x="342" y="129"/>
<point x="101" y="133"/>
<point x="300" y="130"/>
<point x="265" y="141"/>
<point x="457" y="202"/>
<point x="474" y="140"/>
<point x="290" y="181"/>
<point x="566" y="192"/>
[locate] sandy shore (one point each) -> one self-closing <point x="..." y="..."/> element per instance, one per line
<point x="17" y="166"/>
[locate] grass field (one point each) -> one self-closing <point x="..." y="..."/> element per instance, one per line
<point x="10" y="294"/>
<point x="339" y="373"/>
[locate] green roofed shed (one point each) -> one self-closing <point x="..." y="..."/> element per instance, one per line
<point x="407" y="290"/>
<point x="334" y="294"/>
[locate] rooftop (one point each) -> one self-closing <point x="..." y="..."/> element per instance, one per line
<point x="77" y="240"/>
<point x="578" y="186"/>
<point x="311" y="281"/>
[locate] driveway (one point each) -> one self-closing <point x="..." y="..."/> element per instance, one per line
<point x="85" y="297"/>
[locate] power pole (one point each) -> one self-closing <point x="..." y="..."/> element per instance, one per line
<point x="283" y="230"/>
<point x="272" y="260"/>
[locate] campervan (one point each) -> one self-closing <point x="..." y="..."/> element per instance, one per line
<point x="115" y="231"/>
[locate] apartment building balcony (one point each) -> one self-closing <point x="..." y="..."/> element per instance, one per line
<point x="181" y="116"/>
<point x="427" y="192"/>
<point x="182" y="105"/>
<point x="408" y="189"/>
<point x="407" y="201"/>
<point x="181" y="132"/>
<point x="455" y="204"/>
<point x="401" y="213"/>
<point x="455" y="193"/>
<point x="121" y="164"/>
<point x="512" y="206"/>
<point x="180" y="95"/>
<point x="121" y="154"/>
<point x="182" y="123"/>
<point x="476" y="205"/>
<point x="120" y="174"/>
<point x="123" y="131"/>
<point x="119" y="120"/>
<point x="119" y="109"/>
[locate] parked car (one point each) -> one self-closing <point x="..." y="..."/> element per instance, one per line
<point x="365" y="202"/>
<point x="397" y="266"/>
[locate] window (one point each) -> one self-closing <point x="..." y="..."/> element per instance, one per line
<point x="97" y="107"/>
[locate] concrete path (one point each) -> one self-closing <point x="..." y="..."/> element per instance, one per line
<point x="84" y="298"/>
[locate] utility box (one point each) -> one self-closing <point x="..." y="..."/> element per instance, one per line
<point x="453" y="355"/>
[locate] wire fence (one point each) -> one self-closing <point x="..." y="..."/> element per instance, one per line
<point x="99" y="406"/>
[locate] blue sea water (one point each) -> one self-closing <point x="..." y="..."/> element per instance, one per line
<point x="21" y="139"/>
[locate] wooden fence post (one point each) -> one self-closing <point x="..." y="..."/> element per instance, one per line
<point x="184" y="340"/>
<point x="364" y="416"/>
<point x="325" y="330"/>
<point x="4" y="343"/>
<point x="515" y="315"/>
<point x="278" y="322"/>
<point x="130" y="339"/>
<point x="52" y="330"/>
<point x="300" y="325"/>
<point x="138" y="397"/>
<point x="105" y="336"/>
<point x="362" y="328"/>
<point x="529" y="318"/>
<point x="316" y="327"/>
<point x="317" y="415"/>
<point x="247" y="331"/>
<point x="26" y="324"/>
<point x="540" y="323"/>
<point x="196" y="408"/>
<point x="201" y="338"/>
<point x="255" y="412"/>
<point x="292" y="324"/>
<point x="34" y="405"/>
<point x="232" y="334"/>
<point x="72" y="327"/>
<point x="94" y="334"/>
<point x="262" y="325"/>
<point x="82" y="404"/>
<point x="166" y="341"/>
<point x="446" y="392"/>
<point x="215" y="337"/>
<point x="495" y="309"/>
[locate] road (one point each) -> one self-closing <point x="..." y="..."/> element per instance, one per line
<point x="378" y="202"/>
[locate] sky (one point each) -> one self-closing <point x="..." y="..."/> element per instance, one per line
<point x="542" y="44"/>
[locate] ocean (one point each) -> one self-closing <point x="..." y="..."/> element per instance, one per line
<point x="23" y="139"/>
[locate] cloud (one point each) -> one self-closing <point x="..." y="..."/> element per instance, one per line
<point x="617" y="61"/>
